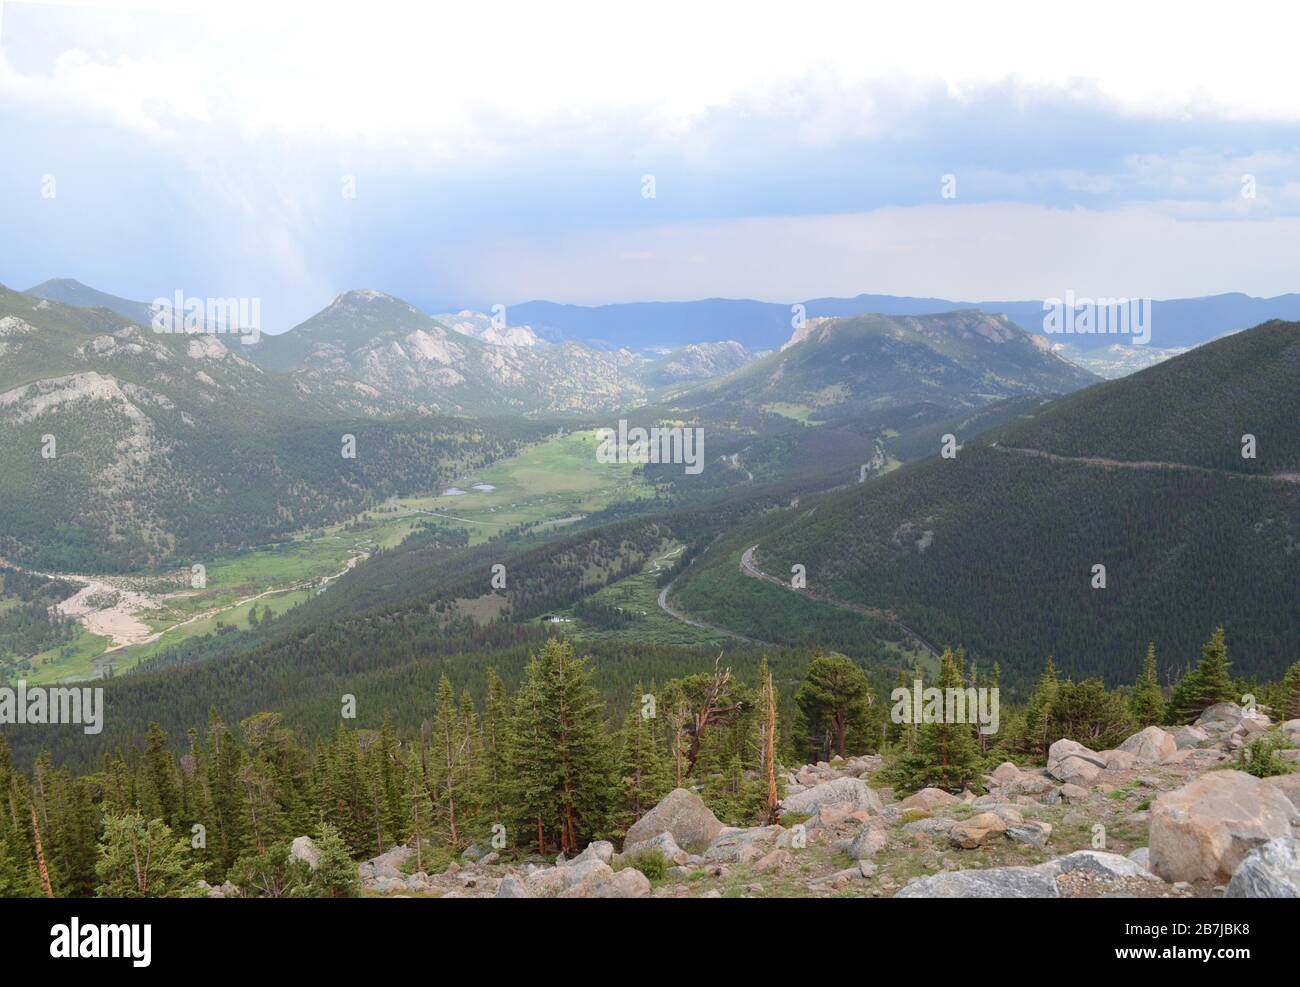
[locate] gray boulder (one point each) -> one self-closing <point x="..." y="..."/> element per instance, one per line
<point x="682" y="814"/>
<point x="1099" y="863"/>
<point x="1269" y="871"/>
<point x="1069" y="761"/>
<point x="996" y="882"/>
<point x="304" y="848"/>
<point x="841" y="790"/>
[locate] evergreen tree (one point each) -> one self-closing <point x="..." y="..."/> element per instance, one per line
<point x="449" y="766"/>
<point x="567" y="783"/>
<point x="834" y="699"/>
<point x="1208" y="683"/>
<point x="1289" y="706"/>
<point x="1147" y="702"/>
<point x="144" y="860"/>
<point x="945" y="754"/>
<point x="1034" y="737"/>
<point x="643" y="762"/>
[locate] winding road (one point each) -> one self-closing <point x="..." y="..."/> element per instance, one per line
<point x="748" y="567"/>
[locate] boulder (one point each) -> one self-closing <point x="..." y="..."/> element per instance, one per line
<point x="1190" y="736"/>
<point x="1033" y="832"/>
<point x="976" y="831"/>
<point x="929" y="827"/>
<point x="1291" y="730"/>
<point x="996" y="882"/>
<point x="1120" y="760"/>
<point x="1269" y="871"/>
<point x="663" y="844"/>
<point x="1072" y="762"/>
<point x="870" y="840"/>
<point x="929" y="799"/>
<point x="1099" y="863"/>
<point x="1150" y="746"/>
<point x="1073" y="793"/>
<point x="741" y="846"/>
<point x="511" y="887"/>
<point x="304" y="848"/>
<point x="1142" y="857"/>
<point x="601" y="881"/>
<point x="1288" y="785"/>
<point x="684" y="815"/>
<point x="1005" y="772"/>
<point x="1204" y="830"/>
<point x="849" y="790"/>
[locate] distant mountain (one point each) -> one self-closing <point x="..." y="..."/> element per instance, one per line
<point x="995" y="549"/>
<point x="72" y="292"/>
<point x="122" y="447"/>
<point x="420" y="364"/>
<point x="694" y="362"/>
<point x="1176" y="323"/>
<point x="830" y="368"/>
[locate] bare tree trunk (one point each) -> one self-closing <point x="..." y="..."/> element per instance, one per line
<point x="769" y="755"/>
<point x="40" y="857"/>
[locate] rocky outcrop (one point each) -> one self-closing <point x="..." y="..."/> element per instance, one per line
<point x="1204" y="830"/>
<point x="684" y="816"/>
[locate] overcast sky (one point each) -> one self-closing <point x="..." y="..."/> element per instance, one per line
<point x="498" y="153"/>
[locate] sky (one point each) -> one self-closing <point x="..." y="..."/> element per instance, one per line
<point x="506" y="151"/>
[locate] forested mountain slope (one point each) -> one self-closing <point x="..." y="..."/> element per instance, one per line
<point x="994" y="549"/>
<point x="121" y="447"/>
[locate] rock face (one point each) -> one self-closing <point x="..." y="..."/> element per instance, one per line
<point x="852" y="791"/>
<point x="1190" y="736"/>
<point x="1072" y="762"/>
<point x="682" y="814"/>
<point x="1204" y="830"/>
<point x="1150" y="746"/>
<point x="1271" y="871"/>
<point x="1288" y="785"/>
<point x="996" y="882"/>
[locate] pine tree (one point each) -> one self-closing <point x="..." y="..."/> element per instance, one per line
<point x="834" y="699"/>
<point x="1034" y="739"/>
<point x="1208" y="683"/>
<point x="945" y="754"/>
<point x="1289" y="706"/>
<point x="139" y="859"/>
<point x="1147" y="702"/>
<point x="643" y="762"/>
<point x="568" y="782"/>
<point x="448" y="766"/>
<point x="492" y="782"/>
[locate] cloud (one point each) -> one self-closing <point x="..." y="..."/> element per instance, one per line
<point x="202" y="146"/>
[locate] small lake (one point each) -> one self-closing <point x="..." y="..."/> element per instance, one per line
<point x="484" y="487"/>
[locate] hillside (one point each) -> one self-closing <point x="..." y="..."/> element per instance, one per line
<point x="121" y="447"/>
<point x="419" y="364"/>
<point x="994" y="548"/>
<point x="835" y="367"/>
